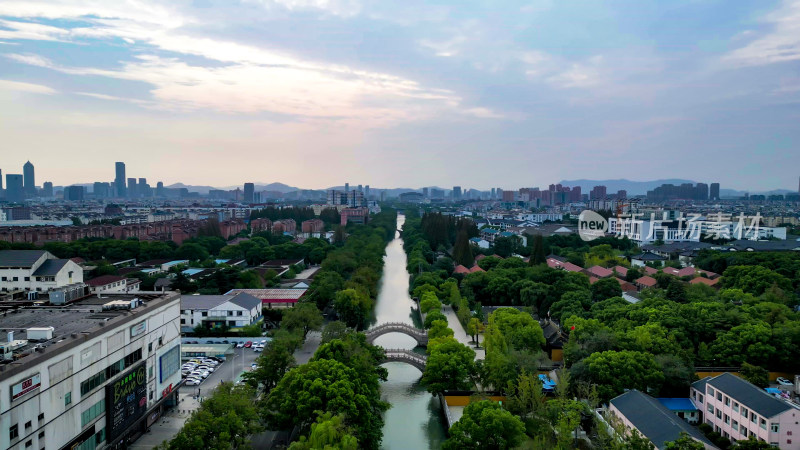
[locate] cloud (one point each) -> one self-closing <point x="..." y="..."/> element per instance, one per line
<point x="780" y="44"/>
<point x="25" y="87"/>
<point x="341" y="8"/>
<point x="30" y="31"/>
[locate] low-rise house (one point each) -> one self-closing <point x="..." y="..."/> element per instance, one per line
<point x="232" y="310"/>
<point x="683" y="408"/>
<point x="110" y="283"/>
<point x="36" y="270"/>
<point x="642" y="259"/>
<point x="739" y="410"/>
<point x="273" y="298"/>
<point x="637" y="410"/>
<point x="599" y="272"/>
<point x="706" y="281"/>
<point x="480" y="243"/>
<point x="645" y="282"/>
<point x="620" y="271"/>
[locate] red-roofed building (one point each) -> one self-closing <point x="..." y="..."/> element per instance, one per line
<point x="108" y="283"/>
<point x="621" y="271"/>
<point x="461" y="269"/>
<point x="645" y="282"/>
<point x="476" y="268"/>
<point x="273" y="298"/>
<point x="626" y="287"/>
<point x="480" y="257"/>
<point x="671" y="271"/>
<point x="650" y="271"/>
<point x="599" y="272"/>
<point x="686" y="272"/>
<point x="710" y="275"/>
<point x="593" y="280"/>
<point x="706" y="281"/>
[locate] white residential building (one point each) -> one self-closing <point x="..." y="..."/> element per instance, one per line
<point x="231" y="310"/>
<point x="36" y="270"/>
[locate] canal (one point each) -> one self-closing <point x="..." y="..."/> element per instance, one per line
<point x="415" y="418"/>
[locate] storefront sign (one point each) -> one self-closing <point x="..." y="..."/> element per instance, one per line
<point x="139" y="328"/>
<point x="25" y="386"/>
<point x="126" y="400"/>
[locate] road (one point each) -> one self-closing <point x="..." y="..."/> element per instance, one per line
<point x="459" y="333"/>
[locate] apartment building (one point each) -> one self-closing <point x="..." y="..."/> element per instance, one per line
<point x="738" y="410"/>
<point x="36" y="270"/>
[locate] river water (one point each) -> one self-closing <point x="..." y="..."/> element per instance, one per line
<point x="415" y="419"/>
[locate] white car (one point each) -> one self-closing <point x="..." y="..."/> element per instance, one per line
<point x="253" y="366"/>
<point x="201" y="373"/>
<point x="258" y="348"/>
<point x="206" y="368"/>
<point x="240" y="345"/>
<point x="191" y="382"/>
<point x="784" y="382"/>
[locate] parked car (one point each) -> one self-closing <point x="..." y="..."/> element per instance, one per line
<point x="784" y="382"/>
<point x="248" y="344"/>
<point x="258" y="348"/>
<point x="253" y="366"/>
<point x="192" y="382"/>
<point x="240" y="345"/>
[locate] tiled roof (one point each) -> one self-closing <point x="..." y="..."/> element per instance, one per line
<point x="654" y="420"/>
<point x="621" y="271"/>
<point x="706" y="281"/>
<point x="647" y="256"/>
<point x="476" y="268"/>
<point x="650" y="271"/>
<point x="646" y="281"/>
<point x="600" y="272"/>
<point x="246" y="301"/>
<point x="272" y="295"/>
<point x="103" y="280"/>
<point x="749" y="395"/>
<point x="460" y="269"/>
<point x="20" y="258"/>
<point x="686" y="272"/>
<point x="50" y="267"/>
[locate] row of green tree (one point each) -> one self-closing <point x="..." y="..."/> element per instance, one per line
<point x="298" y="213"/>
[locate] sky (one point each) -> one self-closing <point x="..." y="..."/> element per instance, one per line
<point x="315" y="93"/>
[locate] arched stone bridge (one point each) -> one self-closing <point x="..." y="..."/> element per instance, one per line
<point x="419" y="335"/>
<point x="406" y="356"/>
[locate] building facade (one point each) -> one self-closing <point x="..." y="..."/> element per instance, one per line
<point x="76" y="380"/>
<point x="36" y="270"/>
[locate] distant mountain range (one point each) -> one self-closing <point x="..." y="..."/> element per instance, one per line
<point x="279" y="187"/>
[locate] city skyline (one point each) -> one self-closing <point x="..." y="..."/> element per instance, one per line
<point x="533" y="91"/>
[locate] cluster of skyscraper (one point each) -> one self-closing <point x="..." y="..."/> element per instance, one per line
<point x="127" y="187"/>
<point x="352" y="198"/>
<point x="19" y="187"/>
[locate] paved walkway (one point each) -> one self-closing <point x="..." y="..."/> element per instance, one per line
<point x="306" y="274"/>
<point x="459" y="333"/>
<point x="169" y="424"/>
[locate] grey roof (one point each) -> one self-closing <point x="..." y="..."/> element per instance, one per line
<point x="647" y="256"/>
<point x="203" y="301"/>
<point x="653" y="419"/>
<point x="700" y="384"/>
<point x="765" y="246"/>
<point x="51" y="267"/>
<point x="20" y="258"/>
<point x="749" y="395"/>
<point x="163" y="282"/>
<point x="246" y="301"/>
<point x="671" y="247"/>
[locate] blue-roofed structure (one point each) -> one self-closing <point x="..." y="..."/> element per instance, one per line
<point x="683" y="407"/>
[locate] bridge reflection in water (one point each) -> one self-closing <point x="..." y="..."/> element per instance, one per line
<point x="406" y="356"/>
<point x="419" y="335"/>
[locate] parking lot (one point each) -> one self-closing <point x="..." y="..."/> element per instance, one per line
<point x="230" y="370"/>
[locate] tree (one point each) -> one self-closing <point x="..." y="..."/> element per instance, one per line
<point x="271" y="365"/>
<point x="304" y="317"/>
<point x="605" y="288"/>
<point x="685" y="442"/>
<point x="327" y="385"/>
<point x="324" y="288"/>
<point x="474" y="327"/>
<point x="485" y="425"/>
<point x="329" y="432"/>
<point x="353" y="307"/>
<point x="752" y="444"/>
<point x="462" y="251"/>
<point x="439" y="329"/>
<point x="450" y="366"/>
<point x="192" y="251"/>
<point x="755" y="374"/>
<point x="537" y="254"/>
<point x="614" y="371"/>
<point x="224" y="420"/>
<point x="432" y="317"/>
<point x="333" y="330"/>
<point x="429" y="303"/>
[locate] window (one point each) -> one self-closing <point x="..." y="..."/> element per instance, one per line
<point x="719" y="414"/>
<point x="13" y="432"/>
<point x="744" y="412"/>
<point x="5" y="279"/>
<point x="41" y="435"/>
<point x="753" y="417"/>
<point x="239" y="313"/>
<point x="93" y="382"/>
<point x="27" y="278"/>
<point x="735" y="407"/>
<point x="67" y="398"/>
<point x="92" y="412"/>
<point x="15" y="279"/>
<point x="27" y="425"/>
<point x="150" y="347"/>
<point x="204" y="314"/>
<point x="183" y="321"/>
<point x="727" y="420"/>
<point x="230" y="313"/>
<point x="735" y="426"/>
<point x="124" y="363"/>
<point x="727" y="401"/>
<point x="41" y="417"/>
<point x="763" y="424"/>
<point x="29" y="443"/>
<point x="711" y="408"/>
<point x="99" y="437"/>
<point x="719" y="396"/>
<point x="700" y="398"/>
<point x="774" y="427"/>
<point x="743" y="431"/>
